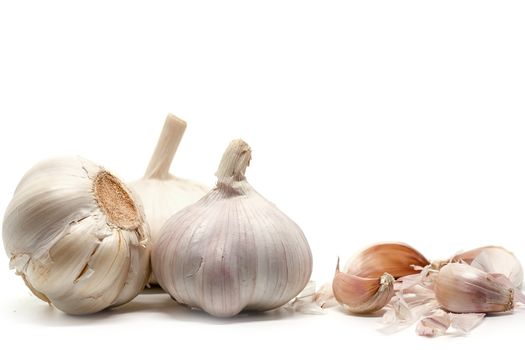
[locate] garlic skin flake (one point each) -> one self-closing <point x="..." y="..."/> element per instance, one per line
<point x="462" y="288"/>
<point x="163" y="194"/>
<point x="233" y="250"/>
<point x="75" y="234"/>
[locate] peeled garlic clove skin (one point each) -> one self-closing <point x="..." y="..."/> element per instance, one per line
<point x="494" y="259"/>
<point x="362" y="295"/>
<point x="398" y="259"/>
<point x="75" y="234"/>
<point x="163" y="194"/>
<point x="233" y="250"/>
<point x="462" y="288"/>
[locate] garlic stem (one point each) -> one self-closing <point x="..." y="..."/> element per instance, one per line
<point x="167" y="145"/>
<point x="234" y="162"/>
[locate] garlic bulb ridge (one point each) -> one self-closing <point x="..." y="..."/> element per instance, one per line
<point x="232" y="250"/>
<point x="76" y="235"/>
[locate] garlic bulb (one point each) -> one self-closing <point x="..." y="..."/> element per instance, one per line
<point x="367" y="284"/>
<point x="163" y="194"/>
<point x="494" y="260"/>
<point x="232" y="250"/>
<point x="462" y="288"/>
<point x="76" y="236"/>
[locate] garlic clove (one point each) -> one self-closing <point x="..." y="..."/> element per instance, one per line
<point x="367" y="284"/>
<point x="76" y="235"/>
<point x="462" y="288"/>
<point x="232" y="250"/>
<point x="163" y="194"/>
<point x="494" y="259"/>
<point x="362" y="294"/>
<point x="398" y="259"/>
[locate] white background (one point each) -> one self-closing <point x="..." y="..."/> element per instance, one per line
<point x="369" y="121"/>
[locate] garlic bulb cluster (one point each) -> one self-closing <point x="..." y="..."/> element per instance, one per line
<point x="367" y="284"/>
<point x="463" y="288"/>
<point x="163" y="194"/>
<point x="232" y="250"/>
<point x="75" y="234"/>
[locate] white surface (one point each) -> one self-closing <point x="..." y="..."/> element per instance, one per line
<point x="369" y="121"/>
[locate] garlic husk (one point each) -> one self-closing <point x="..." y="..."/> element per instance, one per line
<point x="362" y="294"/>
<point x="439" y="321"/>
<point x="233" y="250"/>
<point x="367" y="284"/>
<point x="494" y="259"/>
<point x="163" y="194"/>
<point x="324" y="297"/>
<point x="462" y="288"/>
<point x="76" y="235"/>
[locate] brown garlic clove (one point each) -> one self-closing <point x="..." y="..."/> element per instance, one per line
<point x="398" y="259"/>
<point x="462" y="288"/>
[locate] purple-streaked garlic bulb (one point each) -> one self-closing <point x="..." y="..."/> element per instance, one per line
<point x="232" y="250"/>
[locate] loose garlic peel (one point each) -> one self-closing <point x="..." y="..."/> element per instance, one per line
<point x="76" y="236"/>
<point x="232" y="250"/>
<point x="367" y="284"/>
<point x="163" y="194"/>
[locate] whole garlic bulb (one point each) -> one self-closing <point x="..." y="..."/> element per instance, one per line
<point x="163" y="194"/>
<point x="232" y="250"/>
<point x="75" y="234"/>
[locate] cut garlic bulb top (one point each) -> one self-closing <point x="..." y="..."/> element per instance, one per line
<point x="232" y="250"/>
<point x="163" y="194"/>
<point x="76" y="236"/>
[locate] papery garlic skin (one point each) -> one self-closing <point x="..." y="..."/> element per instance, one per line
<point x="77" y="236"/>
<point x="163" y="194"/>
<point x="462" y="288"/>
<point x="232" y="250"/>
